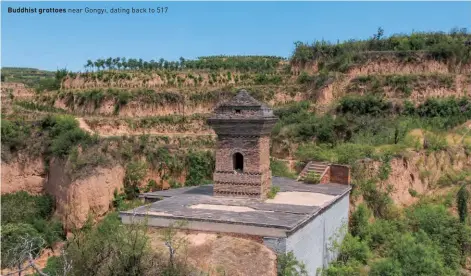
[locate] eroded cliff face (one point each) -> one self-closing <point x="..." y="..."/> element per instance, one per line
<point x="136" y="108"/>
<point x="24" y="174"/>
<point x="77" y="197"/>
<point x="89" y="195"/>
<point x="418" y="171"/>
<point x="152" y="80"/>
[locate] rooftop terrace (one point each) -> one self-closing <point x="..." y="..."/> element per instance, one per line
<point x="294" y="205"/>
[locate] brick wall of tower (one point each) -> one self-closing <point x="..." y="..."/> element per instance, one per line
<point x="255" y="180"/>
<point x="265" y="165"/>
<point x="249" y="147"/>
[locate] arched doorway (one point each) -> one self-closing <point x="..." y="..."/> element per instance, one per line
<point x="238" y="161"/>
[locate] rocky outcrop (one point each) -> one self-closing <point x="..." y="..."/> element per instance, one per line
<point x="23" y="174"/>
<point x="417" y="172"/>
<point x="89" y="195"/>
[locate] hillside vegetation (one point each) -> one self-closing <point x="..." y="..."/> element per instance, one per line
<point x="396" y="109"/>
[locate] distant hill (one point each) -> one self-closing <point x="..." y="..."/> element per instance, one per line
<point x="29" y="76"/>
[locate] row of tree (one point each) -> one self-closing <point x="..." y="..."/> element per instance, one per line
<point x="241" y="63"/>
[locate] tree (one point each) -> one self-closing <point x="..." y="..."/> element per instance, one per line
<point x="161" y="63"/>
<point x="124" y="63"/>
<point x="462" y="202"/>
<point x="359" y="221"/>
<point x="379" y="34"/>
<point x="182" y="62"/>
<point x="89" y="64"/>
<point x="108" y="62"/>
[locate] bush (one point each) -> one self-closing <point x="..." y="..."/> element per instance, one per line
<point x="51" y="231"/>
<point x="418" y="255"/>
<point x="353" y="249"/>
<point x="435" y="142"/>
<point x="65" y="134"/>
<point x="304" y="78"/>
<point x="53" y="266"/>
<point x="14" y="134"/>
<point x="349" y="153"/>
<point x="364" y="105"/>
<point x="462" y="202"/>
<point x="376" y="199"/>
<point x="441" y="227"/>
<point x="135" y="172"/>
<point x="111" y="248"/>
<point x="279" y="168"/>
<point x="386" y="267"/>
<point x="273" y="191"/>
<point x="13" y="235"/>
<point x="312" y="178"/>
<point x="351" y="268"/>
<point x="20" y="207"/>
<point x="288" y="265"/>
<point x="200" y="167"/>
<point x="359" y="221"/>
<point x="382" y="232"/>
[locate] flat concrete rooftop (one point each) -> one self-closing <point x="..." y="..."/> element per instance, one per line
<point x="294" y="205"/>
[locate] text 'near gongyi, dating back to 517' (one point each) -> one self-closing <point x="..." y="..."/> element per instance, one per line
<point x="87" y="10"/>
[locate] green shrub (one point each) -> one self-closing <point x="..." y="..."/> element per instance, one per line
<point x="65" y="134"/>
<point x="279" y="168"/>
<point x="13" y="235"/>
<point x="351" y="268"/>
<point x="20" y="207"/>
<point x="135" y="172"/>
<point x="441" y="227"/>
<point x="359" y="221"/>
<point x="14" y="135"/>
<point x="462" y="202"/>
<point x="377" y="199"/>
<point x="413" y="192"/>
<point x="304" y="78"/>
<point x="288" y="265"/>
<point x="200" y="166"/>
<point x="51" y="231"/>
<point x="362" y="105"/>
<point x="273" y="191"/>
<point x="435" y="142"/>
<point x="353" y="249"/>
<point x="382" y="232"/>
<point x="418" y="255"/>
<point x="349" y="153"/>
<point x="111" y="248"/>
<point x="312" y="178"/>
<point x="386" y="267"/>
<point x="54" y="266"/>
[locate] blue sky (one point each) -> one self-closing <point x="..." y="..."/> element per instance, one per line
<point x="192" y="29"/>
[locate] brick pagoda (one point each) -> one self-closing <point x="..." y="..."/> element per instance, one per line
<point x="243" y="127"/>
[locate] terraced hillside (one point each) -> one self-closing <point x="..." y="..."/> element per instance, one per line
<point x="395" y="109"/>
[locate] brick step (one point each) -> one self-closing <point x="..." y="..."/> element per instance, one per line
<point x="317" y="167"/>
<point x="320" y="172"/>
<point x="313" y="166"/>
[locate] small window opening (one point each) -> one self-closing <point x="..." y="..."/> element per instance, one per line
<point x="237" y="110"/>
<point x="238" y="161"/>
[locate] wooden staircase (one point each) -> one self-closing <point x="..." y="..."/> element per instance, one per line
<point x="313" y="166"/>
